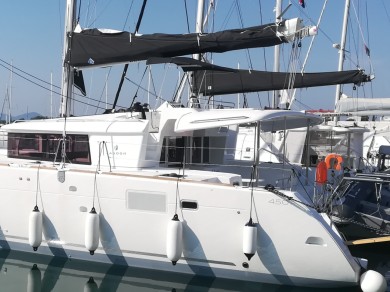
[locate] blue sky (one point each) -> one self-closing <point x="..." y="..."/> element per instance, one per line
<point x="32" y="38"/>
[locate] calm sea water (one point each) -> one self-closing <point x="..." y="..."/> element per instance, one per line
<point x="28" y="272"/>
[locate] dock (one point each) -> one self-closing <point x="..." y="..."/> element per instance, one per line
<point x="368" y="240"/>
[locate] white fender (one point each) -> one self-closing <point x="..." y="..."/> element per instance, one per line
<point x="249" y="242"/>
<point x="372" y="281"/>
<point x="91" y="286"/>
<point x="92" y="231"/>
<point x="35" y="228"/>
<point x="34" y="281"/>
<point x="174" y="239"/>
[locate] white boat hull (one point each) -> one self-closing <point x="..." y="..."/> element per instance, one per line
<point x="295" y="245"/>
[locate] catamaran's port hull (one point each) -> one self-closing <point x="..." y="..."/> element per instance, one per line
<point x="295" y="246"/>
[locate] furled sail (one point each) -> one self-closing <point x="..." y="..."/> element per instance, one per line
<point x="209" y="79"/>
<point x="94" y="47"/>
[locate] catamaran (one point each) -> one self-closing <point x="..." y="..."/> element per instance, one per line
<point x="115" y="188"/>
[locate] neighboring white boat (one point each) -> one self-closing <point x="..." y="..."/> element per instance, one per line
<point x="96" y="188"/>
<point x="373" y="114"/>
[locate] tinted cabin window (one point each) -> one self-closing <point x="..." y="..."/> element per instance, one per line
<point x="49" y="147"/>
<point x="197" y="150"/>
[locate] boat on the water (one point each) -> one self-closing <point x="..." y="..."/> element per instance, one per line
<point x="360" y="206"/>
<point x="106" y="195"/>
<point x="115" y="188"/>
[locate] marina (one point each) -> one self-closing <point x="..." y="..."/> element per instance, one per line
<point x="193" y="193"/>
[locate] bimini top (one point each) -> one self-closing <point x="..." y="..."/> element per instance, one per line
<point x="270" y="120"/>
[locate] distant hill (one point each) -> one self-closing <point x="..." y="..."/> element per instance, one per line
<point x="26" y="116"/>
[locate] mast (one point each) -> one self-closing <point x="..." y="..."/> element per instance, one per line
<point x="10" y="93"/>
<point x="194" y="101"/>
<point x="198" y="29"/>
<point x="199" y="23"/>
<point x="51" y="95"/>
<point x="67" y="70"/>
<point x="341" y="48"/>
<point x="278" y="12"/>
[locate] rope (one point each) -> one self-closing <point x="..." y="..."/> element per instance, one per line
<point x="252" y="186"/>
<point x="178" y="177"/>
<point x="101" y="148"/>
<point x="38" y="186"/>
<point x="63" y="149"/>
<point x="94" y="189"/>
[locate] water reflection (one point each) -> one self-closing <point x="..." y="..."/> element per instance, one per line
<point x="32" y="273"/>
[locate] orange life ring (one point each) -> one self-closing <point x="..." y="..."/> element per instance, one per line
<point x="321" y="173"/>
<point x="334" y="161"/>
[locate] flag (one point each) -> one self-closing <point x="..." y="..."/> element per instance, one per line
<point x="78" y="81"/>
<point x="367" y="50"/>
<point x="302" y="3"/>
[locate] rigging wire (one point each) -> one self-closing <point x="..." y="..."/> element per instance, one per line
<point x="11" y="67"/>
<point x="227" y="17"/>
<point x="314" y="37"/>
<point x="264" y="57"/>
<point x="93" y="21"/>
<point x="366" y="44"/>
<point x="136" y="92"/>
<point x="31" y="80"/>
<point x="292" y="100"/>
<point x="353" y="63"/>
<point x="238" y="9"/>
<point x="293" y="69"/>
<point x="387" y="13"/>
<point x="127" y="64"/>
<point x="78" y="17"/>
<point x="368" y="39"/>
<point x="110" y="69"/>
<point x="186" y="10"/>
<point x="128" y="14"/>
<point x="322" y="32"/>
<point x="141" y="87"/>
<point x="312" y="21"/>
